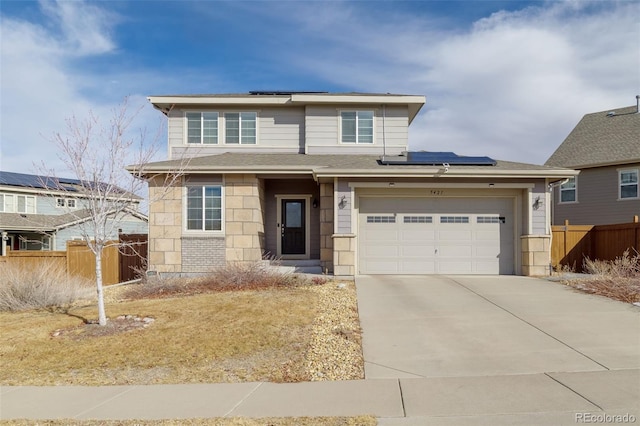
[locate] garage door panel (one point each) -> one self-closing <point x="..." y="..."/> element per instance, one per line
<point x="382" y="251"/>
<point x="417" y="235"/>
<point x="425" y="235"/>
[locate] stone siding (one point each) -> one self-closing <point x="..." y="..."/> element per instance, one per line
<point x="165" y="227"/>
<point x="244" y="218"/>
<point x="344" y="255"/>
<point x="536" y="255"/>
<point x="326" y="227"/>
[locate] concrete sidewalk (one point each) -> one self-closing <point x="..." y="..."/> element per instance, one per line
<point x="515" y="399"/>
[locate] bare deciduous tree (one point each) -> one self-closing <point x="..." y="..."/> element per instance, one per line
<point x="96" y="153"/>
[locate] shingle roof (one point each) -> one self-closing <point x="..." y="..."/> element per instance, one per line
<point x="339" y="165"/>
<point x="601" y="138"/>
<point x="40" y="222"/>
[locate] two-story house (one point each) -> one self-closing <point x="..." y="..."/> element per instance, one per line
<point x="605" y="147"/>
<point x="43" y="213"/>
<point x="327" y="179"/>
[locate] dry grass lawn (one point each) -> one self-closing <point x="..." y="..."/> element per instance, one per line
<point x="238" y="336"/>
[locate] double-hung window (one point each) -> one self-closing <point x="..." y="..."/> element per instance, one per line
<point x="240" y="128"/>
<point x="569" y="191"/>
<point x="204" y="208"/>
<point x="10" y="203"/>
<point x="356" y="126"/>
<point x="202" y="128"/>
<point x="628" y="184"/>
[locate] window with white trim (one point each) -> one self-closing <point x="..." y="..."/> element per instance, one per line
<point x="66" y="202"/>
<point x="11" y="203"/>
<point x="202" y="128"/>
<point x="204" y="208"/>
<point x="240" y="128"/>
<point x="356" y="126"/>
<point x="569" y="191"/>
<point x="628" y="184"/>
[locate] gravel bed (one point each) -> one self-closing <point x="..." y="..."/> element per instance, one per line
<point x="336" y="350"/>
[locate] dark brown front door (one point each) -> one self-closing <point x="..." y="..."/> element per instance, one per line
<point x="293" y="230"/>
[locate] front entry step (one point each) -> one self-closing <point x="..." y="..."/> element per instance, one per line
<point x="310" y="266"/>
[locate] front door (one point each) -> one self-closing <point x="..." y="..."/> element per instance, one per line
<point x="292" y="229"/>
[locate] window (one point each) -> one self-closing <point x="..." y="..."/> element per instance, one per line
<point x="202" y="128"/>
<point x="381" y="219"/>
<point x="490" y="219"/>
<point x="240" y="128"/>
<point x="454" y="219"/>
<point x="46" y="242"/>
<point x="418" y="219"/>
<point x="66" y="202"/>
<point x="569" y="191"/>
<point x="628" y="184"/>
<point x="204" y="208"/>
<point x="10" y="203"/>
<point x="357" y="126"/>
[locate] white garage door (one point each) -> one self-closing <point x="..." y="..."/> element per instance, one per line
<point x="436" y="235"/>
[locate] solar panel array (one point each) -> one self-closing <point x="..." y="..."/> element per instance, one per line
<point x="429" y="158"/>
<point x="36" y="181"/>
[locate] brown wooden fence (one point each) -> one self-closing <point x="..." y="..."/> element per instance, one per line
<point x="571" y="244"/>
<point x="119" y="264"/>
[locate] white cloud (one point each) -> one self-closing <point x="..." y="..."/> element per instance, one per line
<point x="512" y="85"/>
<point x="43" y="81"/>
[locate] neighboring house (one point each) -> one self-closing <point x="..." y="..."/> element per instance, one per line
<point x="36" y="214"/>
<point x="605" y="147"/>
<point x="325" y="179"/>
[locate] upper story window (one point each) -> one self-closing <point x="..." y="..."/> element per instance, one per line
<point x="240" y="128"/>
<point x="628" y="183"/>
<point x="66" y="202"/>
<point x="11" y="203"/>
<point x="569" y="191"/>
<point x="356" y="126"/>
<point x="202" y="127"/>
<point x="204" y="208"/>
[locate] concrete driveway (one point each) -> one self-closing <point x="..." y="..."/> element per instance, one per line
<point x="444" y="326"/>
<point x="499" y="349"/>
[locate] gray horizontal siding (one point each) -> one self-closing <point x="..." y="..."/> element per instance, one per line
<point x="279" y="130"/>
<point x="598" y="202"/>
<point x="344" y="214"/>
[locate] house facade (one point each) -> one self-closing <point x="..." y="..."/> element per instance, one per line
<point x="605" y="148"/>
<point x="43" y="213"/>
<point x="327" y="179"/>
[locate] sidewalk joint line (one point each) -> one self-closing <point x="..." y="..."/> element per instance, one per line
<point x="243" y="400"/>
<point x="530" y="324"/>
<point x="106" y="401"/>
<point x="574" y="391"/>
<point x="404" y="411"/>
<point x="394" y="369"/>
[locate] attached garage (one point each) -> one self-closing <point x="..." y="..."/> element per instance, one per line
<point x="436" y="235"/>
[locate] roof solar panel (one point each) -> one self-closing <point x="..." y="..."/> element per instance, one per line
<point x="431" y="158"/>
<point x="36" y="181"/>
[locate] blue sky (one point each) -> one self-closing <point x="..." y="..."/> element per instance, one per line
<point x="509" y="79"/>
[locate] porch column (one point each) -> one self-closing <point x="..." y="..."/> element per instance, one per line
<point x="244" y="220"/>
<point x="326" y="227"/>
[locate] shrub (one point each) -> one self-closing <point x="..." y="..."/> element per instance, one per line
<point x="233" y="276"/>
<point x="41" y="286"/>
<point x="625" y="266"/>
